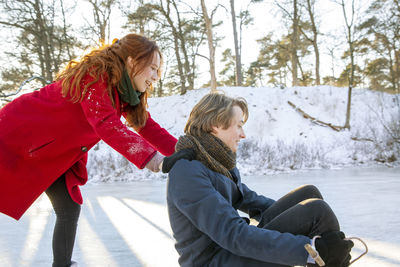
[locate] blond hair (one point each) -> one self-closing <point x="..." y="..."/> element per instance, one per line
<point x="214" y="110"/>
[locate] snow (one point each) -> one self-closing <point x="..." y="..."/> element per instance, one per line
<point x="278" y="138"/>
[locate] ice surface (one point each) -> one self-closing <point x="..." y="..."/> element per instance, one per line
<point x="126" y="224"/>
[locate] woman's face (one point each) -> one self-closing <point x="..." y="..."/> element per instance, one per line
<point x="145" y="78"/>
<point x="232" y="135"/>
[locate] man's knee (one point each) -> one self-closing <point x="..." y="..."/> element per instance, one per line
<point x="322" y="212"/>
<point x="311" y="191"/>
<point x="316" y="204"/>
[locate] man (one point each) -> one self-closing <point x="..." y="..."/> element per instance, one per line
<point x="204" y="194"/>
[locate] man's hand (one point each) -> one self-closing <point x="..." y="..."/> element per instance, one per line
<point x="333" y="249"/>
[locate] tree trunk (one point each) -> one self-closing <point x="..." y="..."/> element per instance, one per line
<point x="317" y="63"/>
<point x="208" y="22"/>
<point x="65" y="36"/>
<point x="238" y="69"/>
<point x="180" y="65"/>
<point x="186" y="63"/>
<point x="395" y="68"/>
<point x="314" y="42"/>
<point x="43" y="40"/>
<point x="348" y="109"/>
<point x="101" y="13"/>
<point x="294" y="58"/>
<point x="177" y="39"/>
<point x="352" y="66"/>
<point x="351" y="81"/>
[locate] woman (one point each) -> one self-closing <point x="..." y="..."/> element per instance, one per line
<point x="45" y="135"/>
<point x="203" y="197"/>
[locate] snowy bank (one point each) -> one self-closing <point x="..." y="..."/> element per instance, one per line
<point x="279" y="138"/>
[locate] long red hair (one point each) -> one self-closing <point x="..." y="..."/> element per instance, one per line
<point x="108" y="62"/>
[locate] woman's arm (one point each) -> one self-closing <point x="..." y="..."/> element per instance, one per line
<point x="105" y="121"/>
<point x="158" y="137"/>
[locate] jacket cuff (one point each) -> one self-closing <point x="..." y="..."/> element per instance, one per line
<point x="144" y="163"/>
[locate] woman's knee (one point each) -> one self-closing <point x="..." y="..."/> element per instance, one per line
<point x="69" y="212"/>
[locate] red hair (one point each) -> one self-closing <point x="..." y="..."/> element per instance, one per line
<point x="108" y="62"/>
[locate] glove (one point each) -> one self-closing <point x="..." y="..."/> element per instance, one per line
<point x="333" y="249"/>
<point x="170" y="161"/>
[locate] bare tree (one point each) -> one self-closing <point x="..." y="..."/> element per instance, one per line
<point x="42" y="44"/>
<point x="165" y="11"/>
<point x="211" y="46"/>
<point x="101" y="16"/>
<point x="238" y="56"/>
<point x="186" y="35"/>
<point x="349" y="21"/>
<point x="310" y="7"/>
<point x="294" y="37"/>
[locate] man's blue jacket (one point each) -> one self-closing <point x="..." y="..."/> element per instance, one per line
<point x="203" y="211"/>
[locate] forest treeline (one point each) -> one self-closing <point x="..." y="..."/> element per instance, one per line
<point x="40" y="36"/>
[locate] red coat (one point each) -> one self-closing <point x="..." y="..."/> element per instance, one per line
<point x="44" y="135"/>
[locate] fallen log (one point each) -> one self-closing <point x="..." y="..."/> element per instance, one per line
<point x="314" y="120"/>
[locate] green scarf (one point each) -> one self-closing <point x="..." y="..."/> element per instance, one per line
<point x="128" y="93"/>
<point x="211" y="151"/>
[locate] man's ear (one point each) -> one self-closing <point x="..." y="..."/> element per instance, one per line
<point x="215" y="130"/>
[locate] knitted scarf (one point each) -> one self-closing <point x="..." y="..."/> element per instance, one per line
<point x="210" y="151"/>
<point x="128" y="93"/>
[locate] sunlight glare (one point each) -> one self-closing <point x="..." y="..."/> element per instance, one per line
<point x="139" y="225"/>
<point x="91" y="246"/>
<point x="37" y="225"/>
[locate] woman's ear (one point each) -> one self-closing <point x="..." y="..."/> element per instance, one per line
<point x="129" y="63"/>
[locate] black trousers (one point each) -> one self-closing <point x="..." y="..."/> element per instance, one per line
<point x="302" y="211"/>
<point x="67" y="214"/>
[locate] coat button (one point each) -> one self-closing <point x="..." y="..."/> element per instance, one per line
<point x="84" y="149"/>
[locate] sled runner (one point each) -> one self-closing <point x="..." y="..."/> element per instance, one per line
<point x="315" y="255"/>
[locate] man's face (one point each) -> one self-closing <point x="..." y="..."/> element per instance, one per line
<point x="232" y="135"/>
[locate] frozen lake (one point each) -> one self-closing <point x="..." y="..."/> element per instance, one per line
<point x="127" y="224"/>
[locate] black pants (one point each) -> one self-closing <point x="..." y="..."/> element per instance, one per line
<point x="302" y="211"/>
<point x="67" y="214"/>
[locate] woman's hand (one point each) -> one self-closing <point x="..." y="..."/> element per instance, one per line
<point x="155" y="163"/>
